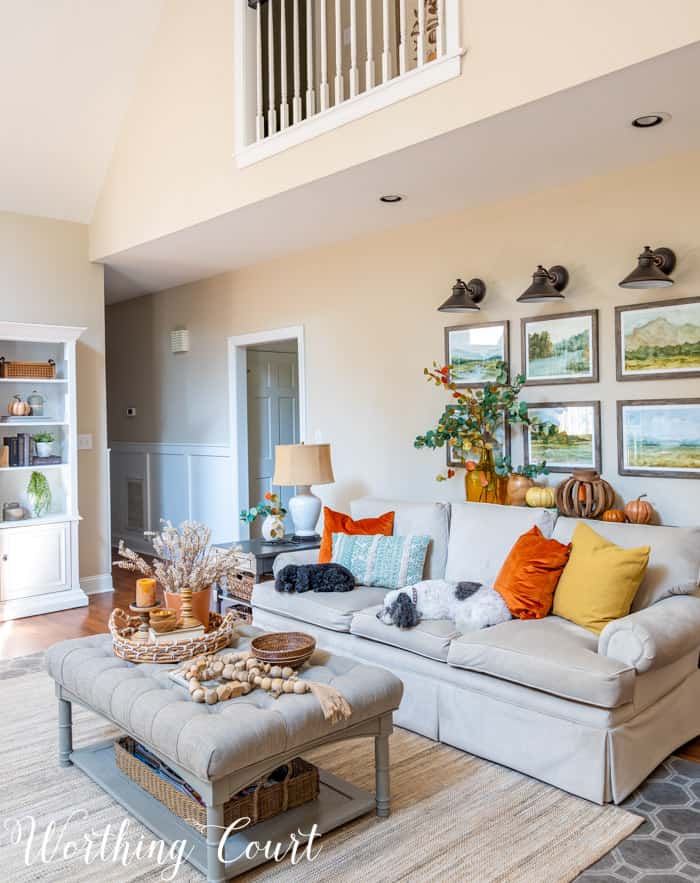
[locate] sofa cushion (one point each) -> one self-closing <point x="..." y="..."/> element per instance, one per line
<point x="432" y="519"/>
<point x="674" y="562"/>
<point x="482" y="535"/>
<point x="332" y="610"/>
<point x="338" y="522"/>
<point x="430" y="638"/>
<point x="385" y="562"/>
<point x="548" y="654"/>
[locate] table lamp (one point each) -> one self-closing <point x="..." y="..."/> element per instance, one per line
<point x="301" y="466"/>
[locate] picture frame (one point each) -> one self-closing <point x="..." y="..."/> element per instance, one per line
<point x="566" y="455"/>
<point x="655" y="340"/>
<point x="455" y="463"/>
<point x="476" y="350"/>
<point x="567" y="348"/>
<point x="659" y="438"/>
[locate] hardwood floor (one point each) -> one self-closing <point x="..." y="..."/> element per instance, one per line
<point x="24" y="636"/>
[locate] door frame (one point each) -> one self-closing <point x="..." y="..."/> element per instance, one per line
<point x="238" y="408"/>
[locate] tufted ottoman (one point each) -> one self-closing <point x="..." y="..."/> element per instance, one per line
<point x="220" y="749"/>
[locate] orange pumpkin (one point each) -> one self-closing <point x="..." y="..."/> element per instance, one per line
<point x="614" y="515"/>
<point x="639" y="511"/>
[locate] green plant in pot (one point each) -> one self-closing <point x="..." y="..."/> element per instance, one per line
<point x="39" y="493"/>
<point x="273" y="512"/>
<point x="44" y="444"/>
<point x="471" y="424"/>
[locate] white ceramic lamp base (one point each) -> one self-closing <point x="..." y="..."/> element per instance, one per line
<point x="305" y="509"/>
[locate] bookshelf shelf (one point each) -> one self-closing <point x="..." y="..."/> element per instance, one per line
<point x="39" y="556"/>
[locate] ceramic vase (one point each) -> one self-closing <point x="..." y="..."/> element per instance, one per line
<point x="517" y="487"/>
<point x="273" y="528"/>
<point x="201" y="602"/>
<point x="44" y="449"/>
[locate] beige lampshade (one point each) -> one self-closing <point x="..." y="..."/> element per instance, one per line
<point x="302" y="465"/>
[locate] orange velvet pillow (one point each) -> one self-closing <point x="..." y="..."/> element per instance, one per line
<point x="336" y="522"/>
<point x="530" y="574"/>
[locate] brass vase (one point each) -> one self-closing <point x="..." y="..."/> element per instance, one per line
<point x="482" y="484"/>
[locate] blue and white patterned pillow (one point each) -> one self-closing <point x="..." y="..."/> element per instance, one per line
<point x="385" y="562"/>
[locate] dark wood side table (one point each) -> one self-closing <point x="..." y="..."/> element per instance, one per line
<point x="254" y="563"/>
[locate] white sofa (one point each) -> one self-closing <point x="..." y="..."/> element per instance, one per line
<point x="593" y="716"/>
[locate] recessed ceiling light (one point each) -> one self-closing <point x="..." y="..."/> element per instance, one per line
<point x="391" y="197"/>
<point x="649" y="120"/>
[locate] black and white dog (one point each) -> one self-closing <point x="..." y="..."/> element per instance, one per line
<point x="471" y="605"/>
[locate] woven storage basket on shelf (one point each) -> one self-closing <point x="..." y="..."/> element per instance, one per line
<point x="240" y="585"/>
<point x="28" y="370"/>
<point x="284" y="648"/>
<point x="300" y="786"/>
<point x="124" y="627"/>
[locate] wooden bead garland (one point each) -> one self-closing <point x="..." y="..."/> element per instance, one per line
<point x="244" y="673"/>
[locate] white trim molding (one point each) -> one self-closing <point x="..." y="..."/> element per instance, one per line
<point x="96" y="585"/>
<point x="238" y="407"/>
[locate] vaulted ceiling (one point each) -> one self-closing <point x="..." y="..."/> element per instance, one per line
<point x="68" y="69"/>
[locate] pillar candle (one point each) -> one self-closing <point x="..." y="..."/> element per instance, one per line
<point x="145" y="592"/>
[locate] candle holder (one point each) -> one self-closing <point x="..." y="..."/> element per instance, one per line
<point x="187" y="620"/>
<point x="144" y="613"/>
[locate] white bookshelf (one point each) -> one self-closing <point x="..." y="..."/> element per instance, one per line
<point x="39" y="555"/>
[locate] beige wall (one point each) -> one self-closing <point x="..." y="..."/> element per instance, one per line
<point x="46" y="277"/>
<point x="369" y="312"/>
<point x="180" y="126"/>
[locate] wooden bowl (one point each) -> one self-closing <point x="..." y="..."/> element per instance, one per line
<point x="283" y="648"/>
<point x="162" y="621"/>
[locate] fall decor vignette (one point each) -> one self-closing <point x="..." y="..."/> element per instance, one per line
<point x="472" y="423"/>
<point x="184" y="559"/>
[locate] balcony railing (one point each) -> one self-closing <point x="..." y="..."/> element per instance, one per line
<point x="307" y="66"/>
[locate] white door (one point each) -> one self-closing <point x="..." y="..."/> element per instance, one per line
<point x="273" y="419"/>
<point x="33" y="561"/>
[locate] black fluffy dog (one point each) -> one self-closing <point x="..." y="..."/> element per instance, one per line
<point x="314" y="578"/>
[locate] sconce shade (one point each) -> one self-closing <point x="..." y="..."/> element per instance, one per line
<point x="465" y="297"/>
<point x="653" y="267"/>
<point x="546" y="285"/>
<point x="302" y="465"/>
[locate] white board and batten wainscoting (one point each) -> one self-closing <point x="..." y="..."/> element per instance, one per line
<point x="153" y="481"/>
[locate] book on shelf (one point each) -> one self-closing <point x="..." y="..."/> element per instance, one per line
<point x="53" y="460"/>
<point x="12" y="443"/>
<point x="176" y="635"/>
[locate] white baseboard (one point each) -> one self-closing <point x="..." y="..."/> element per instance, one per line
<point x="95" y="585"/>
<point x="21" y="607"/>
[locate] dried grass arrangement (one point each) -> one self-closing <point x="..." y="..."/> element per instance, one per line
<point x="184" y="558"/>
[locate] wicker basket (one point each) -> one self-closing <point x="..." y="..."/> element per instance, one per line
<point x="284" y="648"/>
<point x="240" y="585"/>
<point x="301" y="784"/>
<point x="124" y="628"/>
<point x="28" y="370"/>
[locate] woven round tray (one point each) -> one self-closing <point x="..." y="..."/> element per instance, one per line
<point x="283" y="648"/>
<point x="123" y="628"/>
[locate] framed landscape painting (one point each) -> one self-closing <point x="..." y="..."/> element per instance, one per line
<point x="659" y="438"/>
<point x="476" y="352"/>
<point x="560" y="349"/>
<point x="576" y="444"/>
<point x="658" y="341"/>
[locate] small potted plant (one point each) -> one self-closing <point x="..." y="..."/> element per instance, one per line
<point x="39" y="493"/>
<point x="44" y="444"/>
<point x="184" y="558"/>
<point x="274" y="512"/>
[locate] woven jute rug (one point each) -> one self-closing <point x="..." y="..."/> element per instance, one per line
<point x="455" y="817"/>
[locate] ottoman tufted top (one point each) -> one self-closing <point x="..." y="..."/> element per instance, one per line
<point x="212" y="741"/>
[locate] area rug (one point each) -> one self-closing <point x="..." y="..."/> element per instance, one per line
<point x="455" y="817"/>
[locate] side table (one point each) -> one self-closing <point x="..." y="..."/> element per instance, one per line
<point x="255" y="559"/>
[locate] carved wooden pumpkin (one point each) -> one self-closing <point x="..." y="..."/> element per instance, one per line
<point x="614" y="515"/>
<point x="540" y="496"/>
<point x="584" y="495"/>
<point x="19" y="408"/>
<point x="639" y="511"/>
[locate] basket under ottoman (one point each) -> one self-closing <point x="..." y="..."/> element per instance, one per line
<point x="221" y="749"/>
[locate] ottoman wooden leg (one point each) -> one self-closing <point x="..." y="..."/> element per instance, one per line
<point x="65" y="732"/>
<point x="381" y="769"/>
<point x="216" y="870"/>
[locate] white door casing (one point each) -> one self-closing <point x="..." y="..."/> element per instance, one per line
<point x="273" y="418"/>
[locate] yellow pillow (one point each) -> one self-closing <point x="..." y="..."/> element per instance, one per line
<point x="599" y="581"/>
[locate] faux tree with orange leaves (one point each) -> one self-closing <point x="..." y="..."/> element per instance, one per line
<point x="472" y="419"/>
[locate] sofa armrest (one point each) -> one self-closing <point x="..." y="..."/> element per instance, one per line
<point x="655" y="636"/>
<point x="303" y="556"/>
